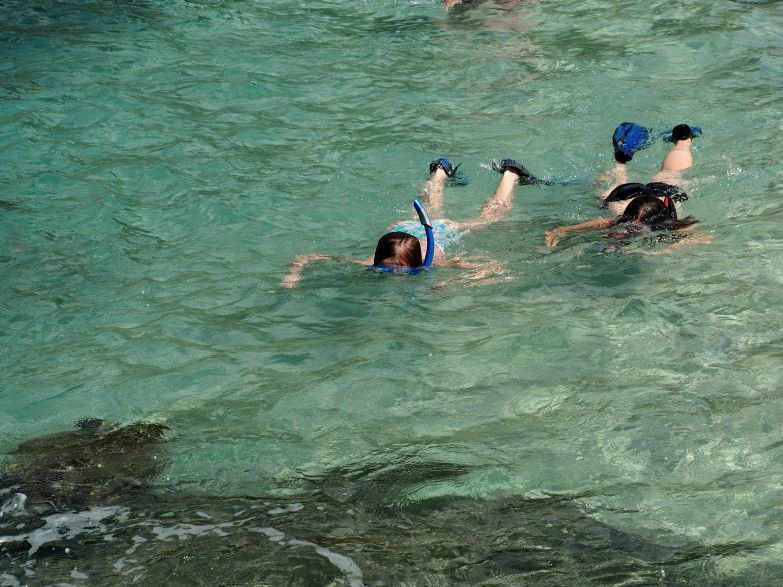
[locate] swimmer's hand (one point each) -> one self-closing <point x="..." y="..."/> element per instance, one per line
<point x="447" y="4"/>
<point x="478" y="270"/>
<point x="689" y="241"/>
<point x="552" y="237"/>
<point x="481" y="271"/>
<point x="294" y="275"/>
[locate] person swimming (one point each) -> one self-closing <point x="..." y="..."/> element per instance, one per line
<point x="395" y="251"/>
<point x="643" y="214"/>
<point x="401" y="249"/>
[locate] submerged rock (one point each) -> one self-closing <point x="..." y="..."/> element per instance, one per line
<point x="95" y="464"/>
<point x="359" y="525"/>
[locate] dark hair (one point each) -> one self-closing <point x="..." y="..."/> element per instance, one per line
<point x="681" y="132"/>
<point x="653" y="212"/>
<point x="661" y="189"/>
<point x="398" y="249"/>
<point x="621" y="156"/>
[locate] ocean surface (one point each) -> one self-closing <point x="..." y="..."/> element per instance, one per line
<point x="589" y="417"/>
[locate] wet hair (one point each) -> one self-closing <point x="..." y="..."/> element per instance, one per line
<point x="681" y="132"/>
<point x="652" y="212"/>
<point x="398" y="249"/>
<point x="621" y="156"/>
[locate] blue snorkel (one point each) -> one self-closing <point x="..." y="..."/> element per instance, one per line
<point x="425" y="222"/>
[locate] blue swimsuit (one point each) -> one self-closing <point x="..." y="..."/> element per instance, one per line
<point x="445" y="234"/>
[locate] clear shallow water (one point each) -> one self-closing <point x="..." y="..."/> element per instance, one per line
<point x="161" y="163"/>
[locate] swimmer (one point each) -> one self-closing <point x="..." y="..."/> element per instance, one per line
<point x="401" y="247"/>
<point x="643" y="215"/>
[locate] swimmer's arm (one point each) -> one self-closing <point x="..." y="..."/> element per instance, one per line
<point x="297" y="266"/>
<point x="688" y="241"/>
<point x="477" y="270"/>
<point x="684" y="242"/>
<point x="553" y="236"/>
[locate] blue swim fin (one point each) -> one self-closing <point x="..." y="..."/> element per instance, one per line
<point x="454" y="177"/>
<point x="629" y="138"/>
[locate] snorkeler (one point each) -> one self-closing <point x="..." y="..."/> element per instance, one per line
<point x="643" y="215"/>
<point x="400" y="249"/>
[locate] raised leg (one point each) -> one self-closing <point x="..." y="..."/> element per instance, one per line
<point x="432" y="193"/>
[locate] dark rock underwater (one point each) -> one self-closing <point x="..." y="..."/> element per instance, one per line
<point x="82" y="506"/>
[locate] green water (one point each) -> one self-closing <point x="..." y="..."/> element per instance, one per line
<point x="162" y="162"/>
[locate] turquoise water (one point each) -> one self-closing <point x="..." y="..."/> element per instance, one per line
<point x="162" y="162"/>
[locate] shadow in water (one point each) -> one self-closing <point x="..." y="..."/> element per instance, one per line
<point x="80" y="506"/>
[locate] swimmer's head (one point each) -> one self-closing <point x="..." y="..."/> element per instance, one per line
<point x="647" y="210"/>
<point x="652" y="213"/>
<point x="398" y="249"/>
<point x="681" y="132"/>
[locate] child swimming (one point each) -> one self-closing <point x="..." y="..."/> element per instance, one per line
<point x="401" y="247"/>
<point x="643" y="214"/>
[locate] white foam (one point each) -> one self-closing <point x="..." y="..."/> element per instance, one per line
<point x="345" y="563"/>
<point x="7" y="580"/>
<point x="14" y="505"/>
<point x="185" y="531"/>
<point x="137" y="540"/>
<point x="294" y="507"/>
<point x="68" y="525"/>
<point x="274" y="535"/>
<point x="75" y="574"/>
<point x="28" y="568"/>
